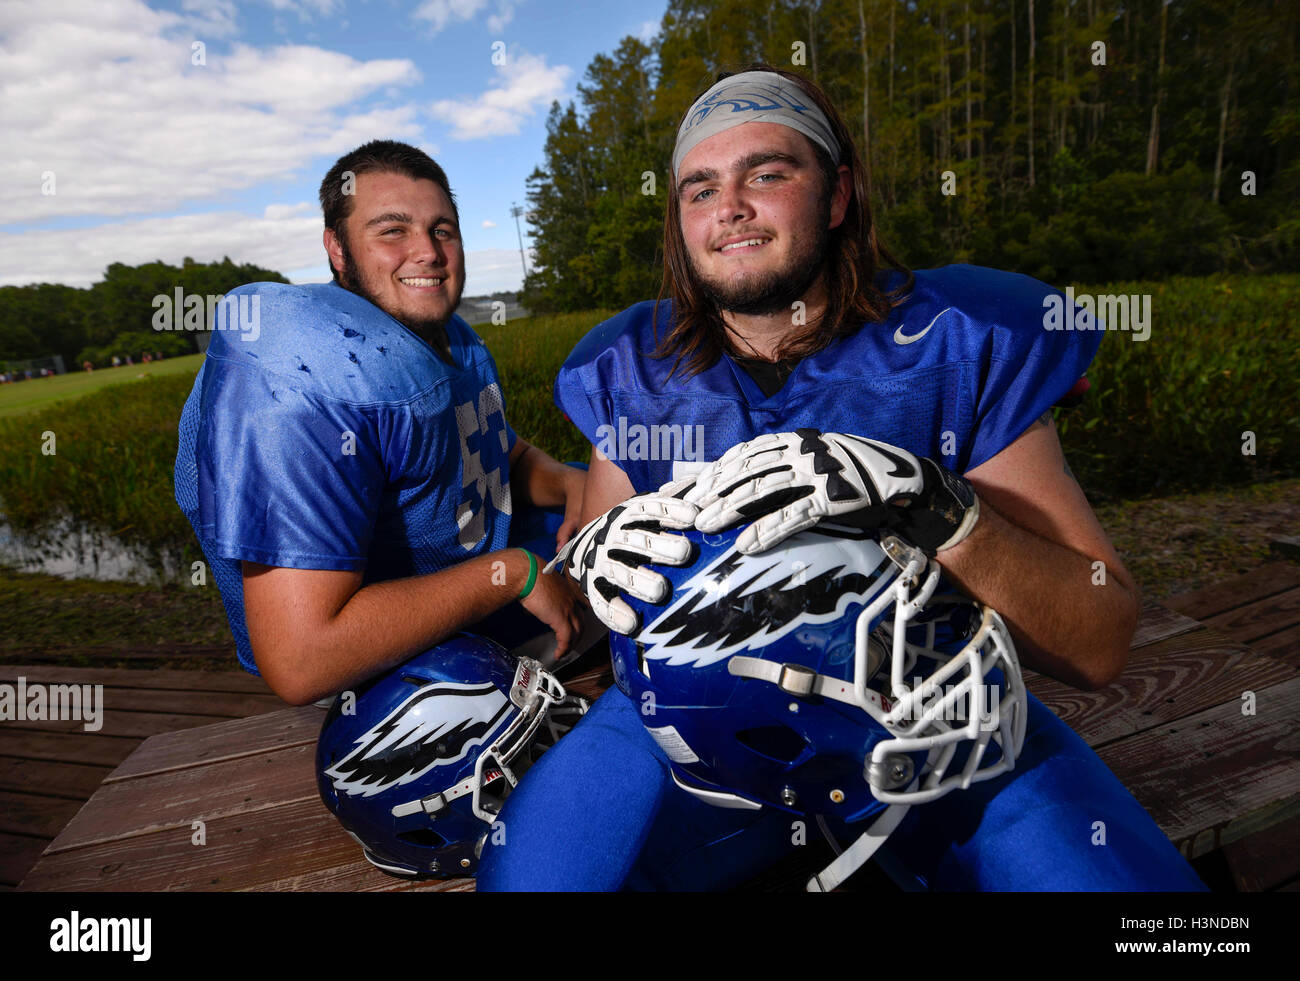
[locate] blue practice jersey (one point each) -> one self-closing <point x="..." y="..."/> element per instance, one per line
<point x="957" y="373"/>
<point x="323" y="434"/>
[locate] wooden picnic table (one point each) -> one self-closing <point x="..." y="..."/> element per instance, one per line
<point x="1213" y="776"/>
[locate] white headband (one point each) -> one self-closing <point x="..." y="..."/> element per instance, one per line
<point x="753" y="97"/>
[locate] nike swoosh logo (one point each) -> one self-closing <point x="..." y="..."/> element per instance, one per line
<point x="902" y="469"/>
<point x="901" y="338"/>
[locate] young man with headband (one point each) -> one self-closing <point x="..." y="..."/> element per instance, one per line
<point x="784" y="316"/>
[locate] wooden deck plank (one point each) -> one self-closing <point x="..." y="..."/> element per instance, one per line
<point x="136" y="725"/>
<point x="1217" y="776"/>
<point x="293" y="846"/>
<point x="1162" y="683"/>
<point x="162" y="678"/>
<point x="213" y="704"/>
<point x="65" y="747"/>
<point x="1157" y="622"/>
<point x="1266" y="860"/>
<point x="76" y="781"/>
<point x="1261" y="618"/>
<point x="219" y="741"/>
<point x="33" y="814"/>
<point x="18" y="853"/>
<point x="1265" y="581"/>
<point x="177" y="798"/>
<point x="1283" y="645"/>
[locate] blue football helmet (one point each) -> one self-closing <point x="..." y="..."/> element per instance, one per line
<point x="416" y="762"/>
<point x="824" y="677"/>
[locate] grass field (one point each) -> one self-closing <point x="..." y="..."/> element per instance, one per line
<point x="1164" y="416"/>
<point x="38" y="393"/>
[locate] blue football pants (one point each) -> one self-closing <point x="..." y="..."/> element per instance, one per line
<point x="600" y="812"/>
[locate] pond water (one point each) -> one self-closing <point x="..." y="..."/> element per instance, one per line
<point x="74" y="552"/>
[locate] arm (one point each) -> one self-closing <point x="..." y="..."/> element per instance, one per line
<point x="1030" y="557"/>
<point x="544" y="482"/>
<point x="607" y="485"/>
<point x="315" y="632"/>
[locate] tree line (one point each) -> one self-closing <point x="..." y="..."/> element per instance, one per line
<point x="1073" y="140"/>
<point x="115" y="315"/>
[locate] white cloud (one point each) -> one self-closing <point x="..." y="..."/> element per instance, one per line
<point x="491" y="270"/>
<point x="283" y="237"/>
<point x="305" y="8"/>
<point x="504" y="15"/>
<point x="647" y="30"/>
<point x="489" y="223"/>
<point x="210" y="18"/>
<point x="104" y="94"/>
<point x="278" y="212"/>
<point x="440" y="13"/>
<point x="525" y="84"/>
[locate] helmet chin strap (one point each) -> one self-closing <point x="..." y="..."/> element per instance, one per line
<point x="858" y="853"/>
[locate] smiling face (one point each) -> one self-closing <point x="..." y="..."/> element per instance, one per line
<point x="402" y="250"/>
<point x="755" y="216"/>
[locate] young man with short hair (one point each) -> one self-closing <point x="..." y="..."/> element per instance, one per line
<point x="348" y="467"/>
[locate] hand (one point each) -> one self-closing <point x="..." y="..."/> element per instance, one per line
<point x="554" y="601"/>
<point x="607" y="556"/>
<point x="790" y="481"/>
<point x="575" y="481"/>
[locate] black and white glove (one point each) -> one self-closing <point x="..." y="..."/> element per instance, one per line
<point x="790" y="481"/>
<point x="607" y="556"/>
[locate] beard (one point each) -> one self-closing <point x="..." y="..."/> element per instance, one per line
<point x="350" y="279"/>
<point x="775" y="291"/>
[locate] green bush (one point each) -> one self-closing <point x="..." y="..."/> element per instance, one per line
<point x="1172" y="413"/>
<point x="1163" y="415"/>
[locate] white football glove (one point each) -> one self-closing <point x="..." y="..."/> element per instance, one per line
<point x="790" y="481"/>
<point x="606" y="557"/>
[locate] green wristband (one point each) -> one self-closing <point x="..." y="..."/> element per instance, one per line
<point x="532" y="574"/>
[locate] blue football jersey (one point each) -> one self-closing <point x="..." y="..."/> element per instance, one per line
<point x="323" y="434"/>
<point x="957" y="372"/>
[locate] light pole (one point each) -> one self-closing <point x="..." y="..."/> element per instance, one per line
<point x="517" y="211"/>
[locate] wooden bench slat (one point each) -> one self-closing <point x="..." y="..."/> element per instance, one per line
<point x="18" y="853"/>
<point x="1163" y="682"/>
<point x="177" y="798"/>
<point x="138" y="725"/>
<point x="1157" y="622"/>
<point x="1283" y="645"/>
<point x="214" y="704"/>
<point x="162" y="678"/>
<point x="74" y="780"/>
<point x="1268" y="579"/>
<point x="231" y="740"/>
<point x="35" y="814"/>
<point x="1217" y="776"/>
<point x="1261" y="618"/>
<point x="65" y="747"/>
<point x="293" y="846"/>
<point x="1266" y="860"/>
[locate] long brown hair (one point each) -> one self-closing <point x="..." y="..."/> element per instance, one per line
<point x="855" y="255"/>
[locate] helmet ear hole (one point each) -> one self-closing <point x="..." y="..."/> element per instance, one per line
<point x="424" y="838"/>
<point x="779" y="743"/>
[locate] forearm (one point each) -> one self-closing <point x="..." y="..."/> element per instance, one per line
<point x="1071" y="618"/>
<point x="307" y="655"/>
<point x="543" y="481"/>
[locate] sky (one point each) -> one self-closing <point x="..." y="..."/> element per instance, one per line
<point x="136" y="131"/>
